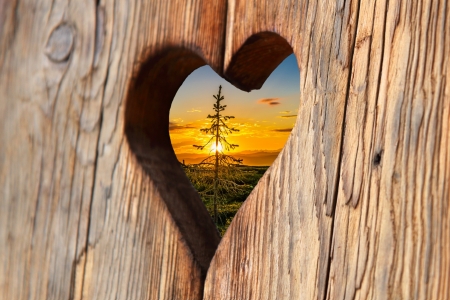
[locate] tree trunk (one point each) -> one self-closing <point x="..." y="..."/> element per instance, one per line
<point x="94" y="205"/>
<point x="216" y="166"/>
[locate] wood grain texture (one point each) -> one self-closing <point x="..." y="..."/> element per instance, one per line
<point x="357" y="203"/>
<point x="355" y="206"/>
<point x="80" y="216"/>
<point x="287" y="248"/>
<point x="393" y="235"/>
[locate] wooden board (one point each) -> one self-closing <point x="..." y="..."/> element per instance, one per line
<point x="80" y="217"/>
<point x="94" y="206"/>
<point x="357" y="204"/>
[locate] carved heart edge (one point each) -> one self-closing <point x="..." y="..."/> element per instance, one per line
<point x="148" y="103"/>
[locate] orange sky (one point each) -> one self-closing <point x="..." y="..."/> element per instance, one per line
<point x="264" y="117"/>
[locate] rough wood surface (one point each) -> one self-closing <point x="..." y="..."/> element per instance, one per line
<point x="92" y="205"/>
<point x="357" y="204"/>
<point x="80" y="217"/>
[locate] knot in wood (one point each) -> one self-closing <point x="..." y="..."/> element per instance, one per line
<point x="377" y="158"/>
<point x="60" y="44"/>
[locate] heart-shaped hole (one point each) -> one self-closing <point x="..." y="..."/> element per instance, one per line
<point x="247" y="144"/>
<point x="148" y="103"/>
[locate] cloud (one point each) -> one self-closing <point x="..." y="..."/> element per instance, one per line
<point x="269" y="101"/>
<point x="283" y="130"/>
<point x="182" y="144"/>
<point x="174" y="126"/>
<point x="285" y="112"/>
<point x="194" y="110"/>
<point x="265" y="100"/>
<point x="287" y="116"/>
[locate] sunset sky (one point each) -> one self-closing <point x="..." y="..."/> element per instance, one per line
<point x="264" y="117"/>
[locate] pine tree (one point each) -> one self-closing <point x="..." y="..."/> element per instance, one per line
<point x="219" y="167"/>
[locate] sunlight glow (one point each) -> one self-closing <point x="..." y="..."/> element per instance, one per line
<point x="219" y="147"/>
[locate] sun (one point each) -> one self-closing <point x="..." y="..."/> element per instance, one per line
<point x="219" y="147"/>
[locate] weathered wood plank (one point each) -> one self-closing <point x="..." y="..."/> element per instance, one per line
<point x="286" y="250"/>
<point x="80" y="216"/>
<point x="384" y="94"/>
<point x="156" y="255"/>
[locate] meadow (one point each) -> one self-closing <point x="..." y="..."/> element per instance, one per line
<point x="230" y="202"/>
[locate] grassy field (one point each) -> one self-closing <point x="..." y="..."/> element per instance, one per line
<point x="230" y="204"/>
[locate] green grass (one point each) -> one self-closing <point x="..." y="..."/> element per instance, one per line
<point x="229" y="205"/>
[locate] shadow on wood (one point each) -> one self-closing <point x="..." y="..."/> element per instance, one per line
<point x="256" y="60"/>
<point x="147" y="129"/>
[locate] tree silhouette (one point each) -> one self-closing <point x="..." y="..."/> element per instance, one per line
<point x="217" y="176"/>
